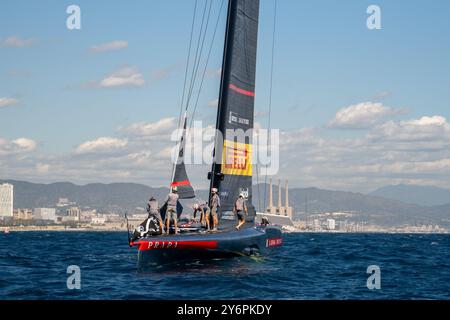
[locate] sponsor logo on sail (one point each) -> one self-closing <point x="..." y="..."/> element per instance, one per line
<point x="236" y="158"/>
<point x="237" y="119"/>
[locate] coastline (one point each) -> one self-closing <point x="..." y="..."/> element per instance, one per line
<point x="106" y="229"/>
<point x="59" y="229"/>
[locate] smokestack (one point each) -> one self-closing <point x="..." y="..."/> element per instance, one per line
<point x="270" y="195"/>
<point x="279" y="194"/>
<point x="287" y="195"/>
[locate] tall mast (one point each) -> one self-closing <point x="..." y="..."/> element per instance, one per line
<point x="214" y="175"/>
<point x="232" y="167"/>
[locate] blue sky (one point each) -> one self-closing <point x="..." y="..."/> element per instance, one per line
<point x="326" y="60"/>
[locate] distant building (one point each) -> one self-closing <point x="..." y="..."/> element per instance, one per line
<point x="331" y="224"/>
<point x="45" y="214"/>
<point x="316" y="225"/>
<point x="86" y="216"/>
<point x="99" y="219"/>
<point x="64" y="202"/>
<point x="74" y="212"/>
<point x="23" y="214"/>
<point x="114" y="217"/>
<point x="67" y="219"/>
<point x="6" y="200"/>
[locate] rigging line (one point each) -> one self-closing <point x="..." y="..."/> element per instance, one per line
<point x="270" y="93"/>
<point x="201" y="52"/>
<point x="187" y="62"/>
<point x="207" y="62"/>
<point x="193" y="75"/>
<point x="257" y="184"/>
<point x="185" y="79"/>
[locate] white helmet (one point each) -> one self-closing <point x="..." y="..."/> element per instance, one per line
<point x="175" y="189"/>
<point x="241" y="195"/>
<point x="195" y="206"/>
<point x="214" y="190"/>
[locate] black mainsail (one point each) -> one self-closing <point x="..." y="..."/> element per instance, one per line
<point x="232" y="165"/>
<point x="180" y="178"/>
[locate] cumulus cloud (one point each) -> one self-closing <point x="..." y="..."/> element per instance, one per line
<point x="410" y="151"/>
<point x="362" y="116"/>
<point x="125" y="77"/>
<point x="17" y="42"/>
<point x="21" y="145"/>
<point x="413" y="151"/>
<point x="42" y="168"/>
<point x="154" y="129"/>
<point x="433" y="128"/>
<point x="109" y="46"/>
<point x="25" y="144"/>
<point x="5" y="102"/>
<point x="101" y="145"/>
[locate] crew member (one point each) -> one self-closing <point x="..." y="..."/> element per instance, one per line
<point x="153" y="210"/>
<point x="203" y="208"/>
<point x="240" y="209"/>
<point x="215" y="205"/>
<point x="171" y="212"/>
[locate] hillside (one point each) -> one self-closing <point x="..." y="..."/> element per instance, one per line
<point x="122" y="197"/>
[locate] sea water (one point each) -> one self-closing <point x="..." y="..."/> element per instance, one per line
<point x="35" y="265"/>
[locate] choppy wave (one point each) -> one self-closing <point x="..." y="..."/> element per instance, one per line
<point x="309" y="266"/>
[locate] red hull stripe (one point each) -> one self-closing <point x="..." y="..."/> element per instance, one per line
<point x="242" y="91"/>
<point x="180" y="183"/>
<point x="174" y="245"/>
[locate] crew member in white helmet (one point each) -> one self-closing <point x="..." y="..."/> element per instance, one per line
<point x="171" y="212"/>
<point x="240" y="209"/>
<point x="215" y="205"/>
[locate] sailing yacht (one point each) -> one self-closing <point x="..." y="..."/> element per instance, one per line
<point x="232" y="169"/>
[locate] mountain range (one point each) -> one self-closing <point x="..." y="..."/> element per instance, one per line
<point x="420" y="195"/>
<point x="123" y="197"/>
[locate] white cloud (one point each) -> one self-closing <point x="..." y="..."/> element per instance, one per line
<point x="163" y="73"/>
<point x="125" y="77"/>
<point x="362" y="116"/>
<point x="391" y="153"/>
<point x="166" y="154"/>
<point x="17" y="146"/>
<point x="17" y="42"/>
<point x="5" y="102"/>
<point x="101" y="145"/>
<point x="213" y="103"/>
<point x="395" y="152"/>
<point x="433" y="128"/>
<point x="109" y="46"/>
<point x="161" y="127"/>
<point x="42" y="168"/>
<point x="214" y="73"/>
<point x="261" y="114"/>
<point x="382" y="95"/>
